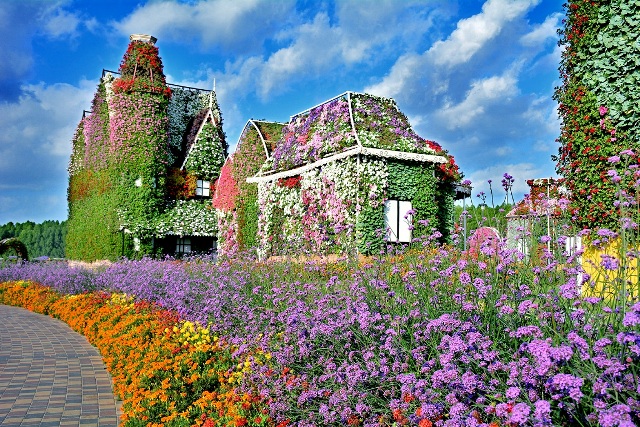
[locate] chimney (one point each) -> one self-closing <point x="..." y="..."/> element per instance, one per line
<point x="143" y="38"/>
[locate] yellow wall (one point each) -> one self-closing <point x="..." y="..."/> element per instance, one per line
<point x="605" y="283"/>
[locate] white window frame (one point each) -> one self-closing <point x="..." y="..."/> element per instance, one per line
<point x="203" y="188"/>
<point x="399" y="228"/>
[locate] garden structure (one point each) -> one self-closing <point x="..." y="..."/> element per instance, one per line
<point x="344" y="177"/>
<point x="540" y="213"/>
<point x="142" y="164"/>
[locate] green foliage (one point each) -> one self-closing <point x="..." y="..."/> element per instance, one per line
<point x="208" y="153"/>
<point x="89" y="238"/>
<point x="247" y="211"/>
<point x="122" y="192"/>
<point x="483" y="216"/>
<point x="416" y="182"/>
<point x="45" y="239"/>
<point x="250" y="155"/>
<point x="445" y="198"/>
<point x="598" y="102"/>
<point x="187" y="218"/>
<point x="370" y="229"/>
<point x="117" y="191"/>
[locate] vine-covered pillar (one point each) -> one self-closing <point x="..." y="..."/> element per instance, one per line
<point x="139" y="140"/>
<point x="597" y="103"/>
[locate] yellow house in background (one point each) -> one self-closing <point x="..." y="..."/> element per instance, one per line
<point x="613" y="269"/>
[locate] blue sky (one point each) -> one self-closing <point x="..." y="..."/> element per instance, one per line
<point x="475" y="76"/>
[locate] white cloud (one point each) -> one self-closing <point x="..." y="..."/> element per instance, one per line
<point x="403" y="71"/>
<point x="542" y="114"/>
<point x="473" y="33"/>
<point x="483" y="93"/>
<point x="216" y="22"/>
<point x="40" y="126"/>
<point x="503" y="150"/>
<point x="543" y="32"/>
<point x="543" y="146"/>
<point x="59" y="23"/>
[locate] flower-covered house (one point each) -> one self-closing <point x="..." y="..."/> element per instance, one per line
<point x="538" y="218"/>
<point x="346" y="176"/>
<point x="143" y="163"/>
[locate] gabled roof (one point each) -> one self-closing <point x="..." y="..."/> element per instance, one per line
<point x="269" y="133"/>
<point x="199" y="121"/>
<point x="343" y="126"/>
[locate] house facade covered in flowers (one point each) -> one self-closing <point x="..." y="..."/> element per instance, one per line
<point x="143" y="163"/>
<point x="347" y="176"/>
<point x="344" y="177"/>
<point x="538" y="219"/>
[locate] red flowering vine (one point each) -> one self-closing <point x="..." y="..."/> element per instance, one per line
<point x="141" y="70"/>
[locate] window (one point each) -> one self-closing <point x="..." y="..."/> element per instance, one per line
<point x="183" y="245"/>
<point x="398" y="221"/>
<point x="202" y="188"/>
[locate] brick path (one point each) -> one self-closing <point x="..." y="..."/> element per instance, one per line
<point x="50" y="375"/>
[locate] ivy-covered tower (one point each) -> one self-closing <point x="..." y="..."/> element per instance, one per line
<point x="598" y="105"/>
<point x="141" y="163"/>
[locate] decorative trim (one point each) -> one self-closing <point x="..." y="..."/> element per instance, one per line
<point x="302" y="113"/>
<point x="353" y="123"/>
<point x="264" y="144"/>
<point x="403" y="155"/>
<point x="299" y="170"/>
<point x="374" y="152"/>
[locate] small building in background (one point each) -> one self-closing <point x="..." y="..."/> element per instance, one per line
<point x="542" y="212"/>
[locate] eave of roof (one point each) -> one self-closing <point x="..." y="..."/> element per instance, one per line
<point x="354" y="151"/>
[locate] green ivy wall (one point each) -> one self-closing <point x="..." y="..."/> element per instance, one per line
<point x="598" y="102"/>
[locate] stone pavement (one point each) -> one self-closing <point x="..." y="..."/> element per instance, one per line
<point x="50" y="375"/>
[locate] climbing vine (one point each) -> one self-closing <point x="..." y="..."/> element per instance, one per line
<point x="208" y="153"/>
<point x="126" y="185"/>
<point x="600" y="74"/>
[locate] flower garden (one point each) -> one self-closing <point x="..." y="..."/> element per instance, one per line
<point x="419" y="335"/>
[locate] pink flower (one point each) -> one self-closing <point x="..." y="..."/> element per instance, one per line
<point x="603" y="110"/>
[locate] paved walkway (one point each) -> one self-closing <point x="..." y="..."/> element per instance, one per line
<point x="50" y="375"/>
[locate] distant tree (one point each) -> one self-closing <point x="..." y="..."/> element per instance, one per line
<point x="45" y="239"/>
<point x="483" y="216"/>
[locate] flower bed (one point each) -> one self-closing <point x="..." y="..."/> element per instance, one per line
<point x="167" y="372"/>
<point x="427" y="337"/>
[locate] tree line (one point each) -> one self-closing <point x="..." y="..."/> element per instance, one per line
<point x="45" y="239"/>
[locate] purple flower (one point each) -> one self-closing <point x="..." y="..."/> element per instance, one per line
<point x="520" y="413"/>
<point x="566" y="385"/>
<point x="542" y="411"/>
<point x="512" y="393"/>
<point x="609" y="262"/>
<point x="613" y="159"/>
<point x="617" y="415"/>
<point x="632" y="318"/>
<point x="545" y="239"/>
